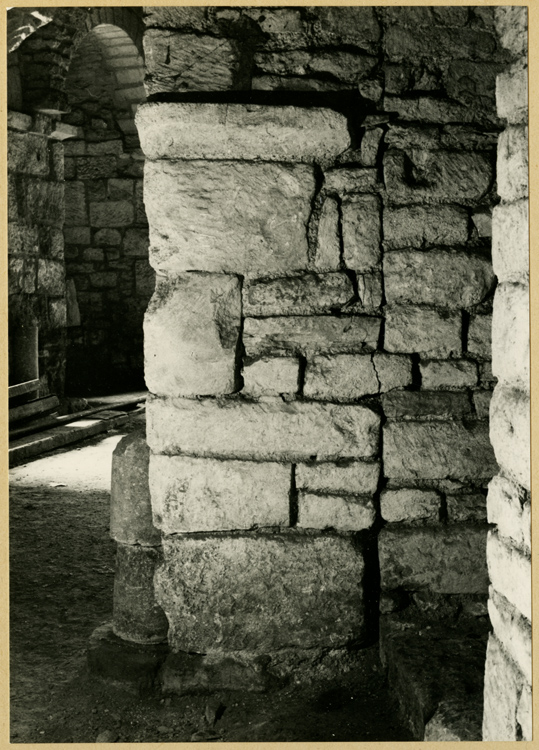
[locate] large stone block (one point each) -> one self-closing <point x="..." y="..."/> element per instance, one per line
<point x="440" y="559"/>
<point x="263" y="592"/>
<point x="512" y="28"/>
<point x="510" y="573"/>
<point x="437" y="450"/>
<point x="191" y="331"/>
<point x="51" y="277"/>
<point x="342" y="377"/>
<point x="228" y="217"/>
<point x="508" y="507"/>
<point x="361" y="231"/>
<point x="417" y="226"/>
<point x="403" y="44"/>
<point x="480" y="336"/>
<point x="513" y="631"/>
<point x="510" y="432"/>
<point x="503" y="686"/>
<point x="322" y="334"/>
<point x="297" y="295"/>
<point x="202" y="494"/>
<point x="512" y="95"/>
<point x="392" y="370"/>
<point x="410" y="505"/>
<point x="426" y="404"/>
<point x="512" y="164"/>
<point x="44" y="202"/>
<point x="440" y="374"/>
<point x="510" y="230"/>
<point x="418" y="329"/>
<point x="511" y="335"/>
<point x="357" y="478"/>
<point x="27" y="153"/>
<point x="130" y="503"/>
<point x="268" y="431"/>
<point x="346" y="66"/>
<point x="241" y="131"/>
<point x="448" y="279"/>
<point x="271" y="376"/>
<point x="335" y="512"/>
<point x="328" y="241"/>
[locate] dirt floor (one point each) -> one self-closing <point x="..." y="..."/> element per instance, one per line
<point x="61" y="574"/>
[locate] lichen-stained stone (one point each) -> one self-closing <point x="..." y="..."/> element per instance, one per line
<point x="320" y="334"/>
<point x="442" y="374"/>
<point x="263" y="592"/>
<point x="266" y="431"/>
<point x="511" y="338"/>
<point x="271" y="376"/>
<point x="328" y="242"/>
<point x="466" y="508"/>
<point x="513" y="631"/>
<point x="335" y="512"/>
<point x="356" y="478"/>
<point x="130" y="503"/>
<point x="436" y="176"/>
<point x="512" y="164"/>
<point x="449" y="279"/>
<point x="191" y="331"/>
<point x="442" y="559"/>
<point x="510" y="573"/>
<point x="480" y="336"/>
<point x="410" y="505"/>
<point x="503" y="686"/>
<point x="419" y="329"/>
<point x="342" y="377"/>
<point x="438" y="450"/>
<point x="228" y="217"/>
<point x="425" y="404"/>
<point x="240" y="131"/>
<point x="296" y="295"/>
<point x="510" y="229"/>
<point x="510" y="432"/>
<point x="347" y="181"/>
<point x="346" y="66"/>
<point x="512" y="94"/>
<point x="509" y="508"/>
<point x="361" y="229"/>
<point x="203" y="494"/>
<point x="392" y="370"/>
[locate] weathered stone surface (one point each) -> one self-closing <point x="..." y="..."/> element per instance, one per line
<point x="442" y="559"/>
<point x="439" y="176"/>
<point x="437" y="450"/>
<point x="403" y="44"/>
<point x="297" y="295"/>
<point x="136" y="243"/>
<point x="95" y="167"/>
<point x="429" y="109"/>
<point x="392" y="371"/>
<point x="130" y="503"/>
<point x="370" y="143"/>
<point x="136" y="615"/>
<point x="191" y="331"/>
<point x="462" y="508"/>
<point x="357" y="478"/>
<point x="425" y="404"/>
<point x="342" y="377"/>
<point x="439" y="374"/>
<point x="202" y="494"/>
<point x="271" y="376"/>
<point x="369" y="289"/>
<point x="511" y="337"/>
<point x="480" y="336"/>
<point x="335" y="512"/>
<point x="469" y="138"/>
<point x="512" y="164"/>
<point x="418" y="329"/>
<point x="410" y="505"/>
<point x="407" y="136"/>
<point x="510" y="432"/>
<point x="510" y="229"/>
<point x="512" y="95"/>
<point x="22" y="275"/>
<point x="512" y="27"/>
<point x="235" y="218"/>
<point x="510" y="573"/>
<point x="525" y="713"/>
<point x="265" y="431"/>
<point x="346" y="181"/>
<point x="503" y="686"/>
<point x="508" y="507"/>
<point x="361" y="230"/>
<point x="77" y="235"/>
<point x="328" y="244"/>
<point x="111" y="214"/>
<point x="28" y="154"/>
<point x="513" y="631"/>
<point x="313" y="335"/>
<point x="106" y="237"/>
<point x="449" y="279"/>
<point x="294" y="83"/>
<point x="482" y="221"/>
<point x="50" y="276"/>
<point x="419" y="226"/>
<point x="346" y="66"/>
<point x="481" y="400"/>
<point x="57" y="313"/>
<point x="75" y="204"/>
<point x="356" y="26"/>
<point x="264" y="593"/>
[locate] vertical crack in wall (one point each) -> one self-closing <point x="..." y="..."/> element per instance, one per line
<point x="293" y="499"/>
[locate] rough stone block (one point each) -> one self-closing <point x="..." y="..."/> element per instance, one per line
<point x="510" y="432"/>
<point x="448" y="279"/>
<point x="357" y="26"/>
<point x="417" y="329"/>
<point x="342" y="377"/>
<point x="361" y="232"/>
<point x="513" y="631"/>
<point x="410" y="505"/>
<point x="111" y="214"/>
<point x="510" y="573"/>
<point x="346" y="66"/>
<point x="429" y="109"/>
<point x="357" y="478"/>
<point x="438" y="42"/>
<point x="50" y="277"/>
<point x="95" y="167"/>
<point x="144" y="279"/>
<point x="310" y="335"/>
<point x="269" y="431"/>
<point x="437" y="450"/>
<point x="511" y="337"/>
<point x="426" y="404"/>
<point x="480" y="336"/>
<point x="235" y="217"/>
<point x="503" y="686"/>
<point x="441" y="559"/>
<point x="335" y="512"/>
<point x="417" y="226"/>
<point x="466" y="508"/>
<point x="409" y="136"/>
<point x="509" y="508"/>
<point x="241" y="131"/>
<point x="44" y="202"/>
<point x="191" y="331"/>
<point x="263" y="592"/>
<point x="202" y="494"/>
<point x="512" y="28"/>
<point x="482" y="221"/>
<point x="369" y="290"/>
<point x="510" y="230"/>
<point x="77" y="235"/>
<point x="370" y="144"/>
<point x="104" y="280"/>
<point x="130" y="503"/>
<point x="512" y="95"/>
<point x="136" y="243"/>
<point x="297" y="295"/>
<point x="119" y="190"/>
<point x="512" y="164"/>
<point x="481" y="400"/>
<point x="22" y="275"/>
<point x="392" y="370"/>
<point x="346" y="181"/>
<point x="271" y="376"/>
<point x="27" y="153"/>
<point x="328" y="243"/>
<point x="439" y="374"/>
<point x="107" y="237"/>
<point x="57" y="313"/>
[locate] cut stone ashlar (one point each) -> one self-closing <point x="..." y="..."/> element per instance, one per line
<point x="415" y="226"/>
<point x="297" y="295"/>
<point x="271" y="376"/>
<point x="353" y="478"/>
<point x="335" y="512"/>
<point x="432" y="333"/>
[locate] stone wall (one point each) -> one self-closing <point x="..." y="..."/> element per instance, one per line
<point x="508" y="703"/>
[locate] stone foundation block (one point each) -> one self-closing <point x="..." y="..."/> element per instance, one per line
<point x="361" y="231"/>
<point x="463" y="508"/>
<point x="185" y="674"/>
<point x="512" y="95"/>
<point x="240" y="131"/>
<point x="191" y="331"/>
<point x="268" y="431"/>
<point x="130" y="503"/>
<point x="271" y="376"/>
<point x="509" y="508"/>
<point x="436" y="374"/>
<point x="512" y="164"/>
<point x="410" y="505"/>
<point x="480" y="336"/>
<point x="510" y="229"/>
<point x="504" y="684"/>
<point x="201" y="494"/>
<point x="437" y="450"/>
<point x="513" y="631"/>
<point x="342" y="377"/>
<point x="262" y="592"/>
<point x="335" y="512"/>
<point x="328" y="243"/>
<point x="418" y="329"/>
<point x="426" y="404"/>
<point x="511" y="339"/>
<point x="510" y="573"/>
<point x="249" y="219"/>
<point x="447" y="279"/>
<point x="510" y="433"/>
<point x="136" y="615"/>
<point x="441" y="559"/>
<point x="355" y="478"/>
<point x="417" y="226"/>
<point x="301" y="295"/>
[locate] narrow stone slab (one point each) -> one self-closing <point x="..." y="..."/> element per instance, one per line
<point x="268" y="431"/>
<point x="335" y="512"/>
<point x="361" y="229"/>
<point x="426" y="404"/>
<point x="342" y="377"/>
<point x="241" y="131"/>
<point x="309" y="294"/>
<point x="357" y="478"/>
<point x="460" y="373"/>
<point x="410" y="505"/>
